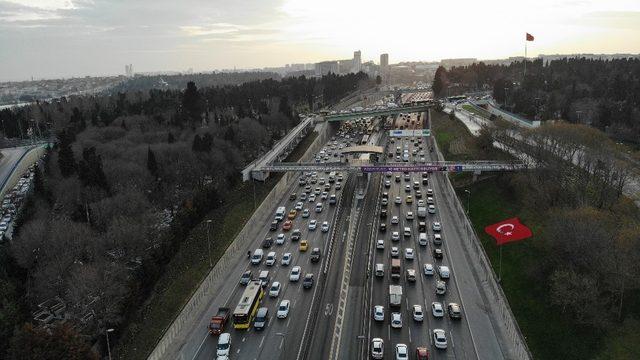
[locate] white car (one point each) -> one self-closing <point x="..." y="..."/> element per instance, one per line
<point x="418" y="315"/>
<point x="396" y="320"/>
<point x="324" y="195"/>
<point x="313" y="224"/>
<point x="443" y="271"/>
<point x="441" y="287"/>
<point x="378" y="313"/>
<point x="439" y="338"/>
<point x="224" y="345"/>
<point x="395" y="236"/>
<point x="377" y="348"/>
<point x="286" y="259"/>
<point x="298" y="205"/>
<point x="271" y="258"/>
<point x="431" y="209"/>
<point x="436" y="226"/>
<point x="430" y="192"/>
<point x="428" y="269"/>
<point x="380" y="244"/>
<point x="283" y="309"/>
<point x="409" y="254"/>
<point x="274" y="291"/>
<point x="397" y="200"/>
<point x="312" y="198"/>
<point x="394" y="252"/>
<point x="410" y="215"/>
<point x="407" y="188"/>
<point x="294" y="274"/>
<point x="402" y="352"/>
<point x="394" y="220"/>
<point x="325" y="226"/>
<point x="280" y="239"/>
<point x="306" y="213"/>
<point x="437" y="309"/>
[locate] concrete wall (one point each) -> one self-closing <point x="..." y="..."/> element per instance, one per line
<point x="197" y="305"/>
<point x="30" y="157"/>
<point x="512" y="118"/>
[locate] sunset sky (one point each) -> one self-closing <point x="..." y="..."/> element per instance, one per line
<point x="62" y="38"/>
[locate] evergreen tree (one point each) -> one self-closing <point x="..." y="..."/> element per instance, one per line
<point x="170" y="138"/>
<point x="90" y="169"/>
<point x="151" y="162"/>
<point x="60" y="342"/>
<point x="192" y="103"/>
<point x="439" y="81"/>
<point x="197" y="143"/>
<point x="66" y="160"/>
<point x="207" y="142"/>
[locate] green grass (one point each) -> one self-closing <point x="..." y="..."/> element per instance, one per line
<point x="190" y="264"/>
<point x="474" y="110"/>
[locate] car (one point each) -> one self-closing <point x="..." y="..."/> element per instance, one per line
<point x="430" y="200"/>
<point x="418" y="194"/>
<point x="397" y="200"/>
<point x="394" y="220"/>
<point x="307" y="282"/>
<point x="409" y="254"/>
<point x="294" y="274"/>
<point x="407" y="232"/>
<point x="422" y="353"/>
<point x="383" y="214"/>
<point x="428" y="269"/>
<point x="267" y="242"/>
<point x="441" y="287"/>
<point x="274" y="291"/>
<point x="338" y="186"/>
<point x="377" y="348"/>
<point x="397" y="177"/>
<point x="409" y="199"/>
<point x="422" y="226"/>
<point x="296" y="234"/>
<point x="304" y="245"/>
<point x="324" y="196"/>
<point x="292" y="213"/>
<point x="437" y="239"/>
<point x="384" y="202"/>
<point x="271" y="258"/>
<point x="299" y="205"/>
<point x="395" y="252"/>
<point x="429" y="192"/>
<point x="325" y="226"/>
<point x="383" y="227"/>
<point x="303" y="196"/>
<point x="283" y="309"/>
<point x="261" y="319"/>
<point x="409" y="215"/>
<point x="431" y="209"/>
<point x="402" y="352"/>
<point x="245" y="278"/>
<point x="307" y="189"/>
<point x="312" y="198"/>
<point x="407" y="177"/>
<point x="439" y="339"/>
<point x="444" y="272"/>
<point x="454" y="310"/>
<point x="313" y="224"/>
<point x="286" y="259"/>
<point x="418" y="315"/>
<point x="317" y="191"/>
<point x="224" y="345"/>
<point x="396" y="320"/>
<point x="395" y="236"/>
<point x="436" y="309"/>
<point x="315" y="254"/>
<point x="274" y="225"/>
<point x="287" y="225"/>
<point x="407" y="188"/>
<point x="380" y="244"/>
<point x="387" y="184"/>
<point x="437" y="253"/>
<point x="280" y="239"/>
<point x="378" y="313"/>
<point x="416" y="185"/>
<point x="306" y="213"/>
<point x="436" y="226"/>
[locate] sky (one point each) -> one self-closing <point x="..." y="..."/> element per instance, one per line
<point x="65" y="38"/>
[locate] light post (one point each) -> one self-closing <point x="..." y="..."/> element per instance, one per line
<point x="209" y="242"/>
<point x="108" y="345"/>
<point x="361" y="339"/>
<point x="468" y="199"/>
<point x="283" y="336"/>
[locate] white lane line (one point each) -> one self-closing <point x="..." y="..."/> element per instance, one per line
<point x="409" y="328"/>
<point x="262" y="340"/>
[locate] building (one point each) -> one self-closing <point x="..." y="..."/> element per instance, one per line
<point x="357" y="61"/>
<point x="384" y="60"/>
<point x="325" y="67"/>
<point x="128" y="70"/>
<point x="449" y="63"/>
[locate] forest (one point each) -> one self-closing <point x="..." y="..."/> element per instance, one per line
<point x="601" y="93"/>
<point x="130" y="174"/>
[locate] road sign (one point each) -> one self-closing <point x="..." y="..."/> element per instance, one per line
<point x="418" y="132"/>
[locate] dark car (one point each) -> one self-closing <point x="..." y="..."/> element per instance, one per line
<point x="266" y="243"/>
<point x="315" y="255"/>
<point x="383" y="213"/>
<point x="274" y="225"/>
<point x="245" y="278"/>
<point x="385" y="195"/>
<point x="422" y="226"/>
<point x="292" y="196"/>
<point x="383" y="227"/>
<point x="307" y="282"/>
<point x="295" y="235"/>
<point x="437" y="253"/>
<point x="425" y="181"/>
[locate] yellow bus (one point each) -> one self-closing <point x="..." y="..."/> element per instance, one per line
<point x="248" y="305"/>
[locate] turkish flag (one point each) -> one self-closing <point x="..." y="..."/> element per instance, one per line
<point x="529" y="37"/>
<point x="508" y="230"/>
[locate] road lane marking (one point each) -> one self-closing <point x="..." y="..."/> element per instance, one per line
<point x="262" y="340"/>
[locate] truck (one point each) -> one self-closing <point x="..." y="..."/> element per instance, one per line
<point x="422" y="211"/>
<point x="395" y="268"/>
<point x="395" y="295"/>
<point x="216" y="325"/>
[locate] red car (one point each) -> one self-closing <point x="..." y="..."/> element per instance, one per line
<point x="422" y="353"/>
<point x="287" y="225"/>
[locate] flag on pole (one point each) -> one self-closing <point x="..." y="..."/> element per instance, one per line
<point x="529" y="37"/>
<point x="508" y="230"/>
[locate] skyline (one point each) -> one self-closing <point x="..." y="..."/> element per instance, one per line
<point x="75" y="38"/>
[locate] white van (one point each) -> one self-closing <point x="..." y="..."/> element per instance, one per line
<point x="271" y="258"/>
<point x="422" y="239"/>
<point x="379" y="270"/>
<point x="280" y="213"/>
<point x="319" y="207"/>
<point x="256" y="259"/>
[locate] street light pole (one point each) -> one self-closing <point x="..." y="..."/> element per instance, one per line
<point x="468" y="200"/>
<point x="283" y="336"/>
<point x="209" y="242"/>
<point x="361" y="339"/>
<point x="108" y="345"/>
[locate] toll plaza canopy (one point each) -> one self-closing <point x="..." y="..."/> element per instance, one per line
<point x="363" y="149"/>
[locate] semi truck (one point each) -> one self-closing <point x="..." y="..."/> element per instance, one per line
<point x="395" y="295"/>
<point x="216" y="325"/>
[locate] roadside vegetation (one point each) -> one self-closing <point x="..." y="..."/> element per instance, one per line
<point x="573" y="286"/>
<point x="107" y="231"/>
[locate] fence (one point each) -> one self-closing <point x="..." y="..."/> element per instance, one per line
<point x="198" y="302"/>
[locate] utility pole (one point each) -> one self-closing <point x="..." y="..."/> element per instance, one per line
<point x="108" y="345"/>
<point x="209" y="242"/>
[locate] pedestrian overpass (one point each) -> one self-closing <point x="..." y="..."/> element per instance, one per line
<point x="429" y="166"/>
<point x="378" y="112"/>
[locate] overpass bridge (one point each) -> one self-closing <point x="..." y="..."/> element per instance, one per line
<point x="378" y="112"/>
<point x="429" y="166"/>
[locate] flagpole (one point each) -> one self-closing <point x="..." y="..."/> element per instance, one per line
<point x="525" y="60"/>
<point x="500" y="270"/>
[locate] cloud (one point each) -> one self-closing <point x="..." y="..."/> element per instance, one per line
<point x="212" y="29"/>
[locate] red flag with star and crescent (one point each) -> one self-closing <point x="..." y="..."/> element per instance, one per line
<point x="507" y="231"/>
<point x="529" y="37"/>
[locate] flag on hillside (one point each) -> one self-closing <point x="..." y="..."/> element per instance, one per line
<point x="529" y="37"/>
<point x="507" y="231"/>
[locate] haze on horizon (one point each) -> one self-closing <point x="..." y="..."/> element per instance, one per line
<point x="64" y="38"/>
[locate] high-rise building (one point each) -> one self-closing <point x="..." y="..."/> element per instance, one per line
<point x="357" y="61"/>
<point x="384" y="60"/>
<point x="128" y="70"/>
<point x="325" y="67"/>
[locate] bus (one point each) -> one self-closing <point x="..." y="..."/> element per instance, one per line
<point x="248" y="305"/>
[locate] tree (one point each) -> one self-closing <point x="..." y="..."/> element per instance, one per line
<point x="170" y="138"/>
<point x="66" y="160"/>
<point x="378" y="80"/>
<point x="440" y="82"/>
<point x="192" y="104"/>
<point x="61" y="342"/>
<point x="151" y="162"/>
<point x="90" y="169"/>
